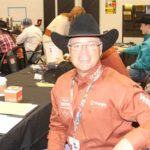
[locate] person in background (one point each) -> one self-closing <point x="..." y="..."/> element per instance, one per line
<point x="60" y="24"/>
<point x="6" y="41"/>
<point x="141" y="67"/>
<point x="93" y="106"/>
<point x="30" y="37"/>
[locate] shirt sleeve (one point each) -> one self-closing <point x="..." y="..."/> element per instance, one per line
<point x="143" y="58"/>
<point x="136" y="107"/>
<point x="133" y="50"/>
<point x="57" y="134"/>
<point x="21" y="38"/>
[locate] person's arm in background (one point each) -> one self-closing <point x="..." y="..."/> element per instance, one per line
<point x="21" y="38"/>
<point x="144" y="57"/>
<point x="133" y="49"/>
<point x="58" y="132"/>
<point x="130" y="50"/>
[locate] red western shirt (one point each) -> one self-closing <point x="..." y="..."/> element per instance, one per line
<point x="113" y="103"/>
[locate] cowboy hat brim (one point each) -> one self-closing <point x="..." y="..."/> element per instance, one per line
<point x="4" y="29"/>
<point x="108" y="39"/>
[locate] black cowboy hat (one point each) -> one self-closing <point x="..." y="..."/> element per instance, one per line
<point x="84" y="25"/>
<point x="3" y="25"/>
<point x="144" y="19"/>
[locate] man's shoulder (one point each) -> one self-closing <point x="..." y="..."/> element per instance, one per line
<point x="67" y="76"/>
<point x="33" y="29"/>
<point x="116" y="78"/>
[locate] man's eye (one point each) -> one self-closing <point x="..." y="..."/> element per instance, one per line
<point x="92" y="45"/>
<point x="77" y="46"/>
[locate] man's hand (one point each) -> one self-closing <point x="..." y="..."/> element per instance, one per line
<point x="119" y="49"/>
<point x="124" y="144"/>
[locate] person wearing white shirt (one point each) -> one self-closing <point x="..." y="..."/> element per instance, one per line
<point x="30" y="37"/>
<point x="60" y="24"/>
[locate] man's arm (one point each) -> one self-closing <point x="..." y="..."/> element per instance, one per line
<point x="136" y="107"/>
<point x="21" y="38"/>
<point x="58" y="132"/>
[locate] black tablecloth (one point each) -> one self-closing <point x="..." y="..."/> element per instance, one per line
<point x="31" y="132"/>
<point x="128" y="59"/>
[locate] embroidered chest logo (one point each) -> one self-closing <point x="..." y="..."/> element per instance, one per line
<point x="98" y="103"/>
<point x="65" y="102"/>
<point x="145" y="99"/>
<point x="65" y="107"/>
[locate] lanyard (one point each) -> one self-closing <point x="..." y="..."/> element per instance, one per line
<point x="95" y="76"/>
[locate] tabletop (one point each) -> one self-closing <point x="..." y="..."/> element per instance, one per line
<point x="31" y="132"/>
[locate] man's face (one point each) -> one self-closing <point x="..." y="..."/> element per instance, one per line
<point x="85" y="53"/>
<point x="145" y="28"/>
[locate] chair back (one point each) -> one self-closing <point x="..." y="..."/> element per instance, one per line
<point x="37" y="54"/>
<point x="3" y="65"/>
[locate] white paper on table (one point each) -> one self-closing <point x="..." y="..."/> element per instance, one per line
<point x="8" y="122"/>
<point x="19" y="109"/>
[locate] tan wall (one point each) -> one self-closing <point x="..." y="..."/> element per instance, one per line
<point x="107" y="21"/>
<point x="34" y="9"/>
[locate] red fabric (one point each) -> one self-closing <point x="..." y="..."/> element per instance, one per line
<point x="112" y="59"/>
<point x="6" y="43"/>
<point x="112" y="104"/>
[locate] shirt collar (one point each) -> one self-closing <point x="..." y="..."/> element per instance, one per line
<point x="86" y="79"/>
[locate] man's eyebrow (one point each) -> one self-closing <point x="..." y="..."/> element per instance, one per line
<point x="81" y="42"/>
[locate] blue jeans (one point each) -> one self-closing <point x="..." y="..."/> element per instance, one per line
<point x="137" y="75"/>
<point x="67" y="147"/>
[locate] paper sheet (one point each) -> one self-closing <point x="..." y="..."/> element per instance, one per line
<point x="44" y="84"/>
<point x="7" y="123"/>
<point x="19" y="109"/>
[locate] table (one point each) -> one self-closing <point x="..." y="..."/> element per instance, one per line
<point x="127" y="59"/>
<point x="31" y="132"/>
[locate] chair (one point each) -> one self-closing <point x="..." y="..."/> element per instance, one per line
<point x="112" y="59"/>
<point x="14" y="60"/>
<point x="3" y="67"/>
<point x="37" y="54"/>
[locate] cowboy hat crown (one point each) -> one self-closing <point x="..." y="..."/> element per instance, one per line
<point x="3" y="25"/>
<point x="84" y="25"/>
<point x="144" y="19"/>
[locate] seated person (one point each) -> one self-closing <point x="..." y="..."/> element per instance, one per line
<point x="141" y="67"/>
<point x="60" y="24"/>
<point x="94" y="106"/>
<point x="30" y="37"/>
<point x="6" y="41"/>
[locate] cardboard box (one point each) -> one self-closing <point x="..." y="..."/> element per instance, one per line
<point x="13" y="94"/>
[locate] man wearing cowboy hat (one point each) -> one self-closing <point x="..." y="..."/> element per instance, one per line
<point x="141" y="67"/>
<point x="93" y="105"/>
